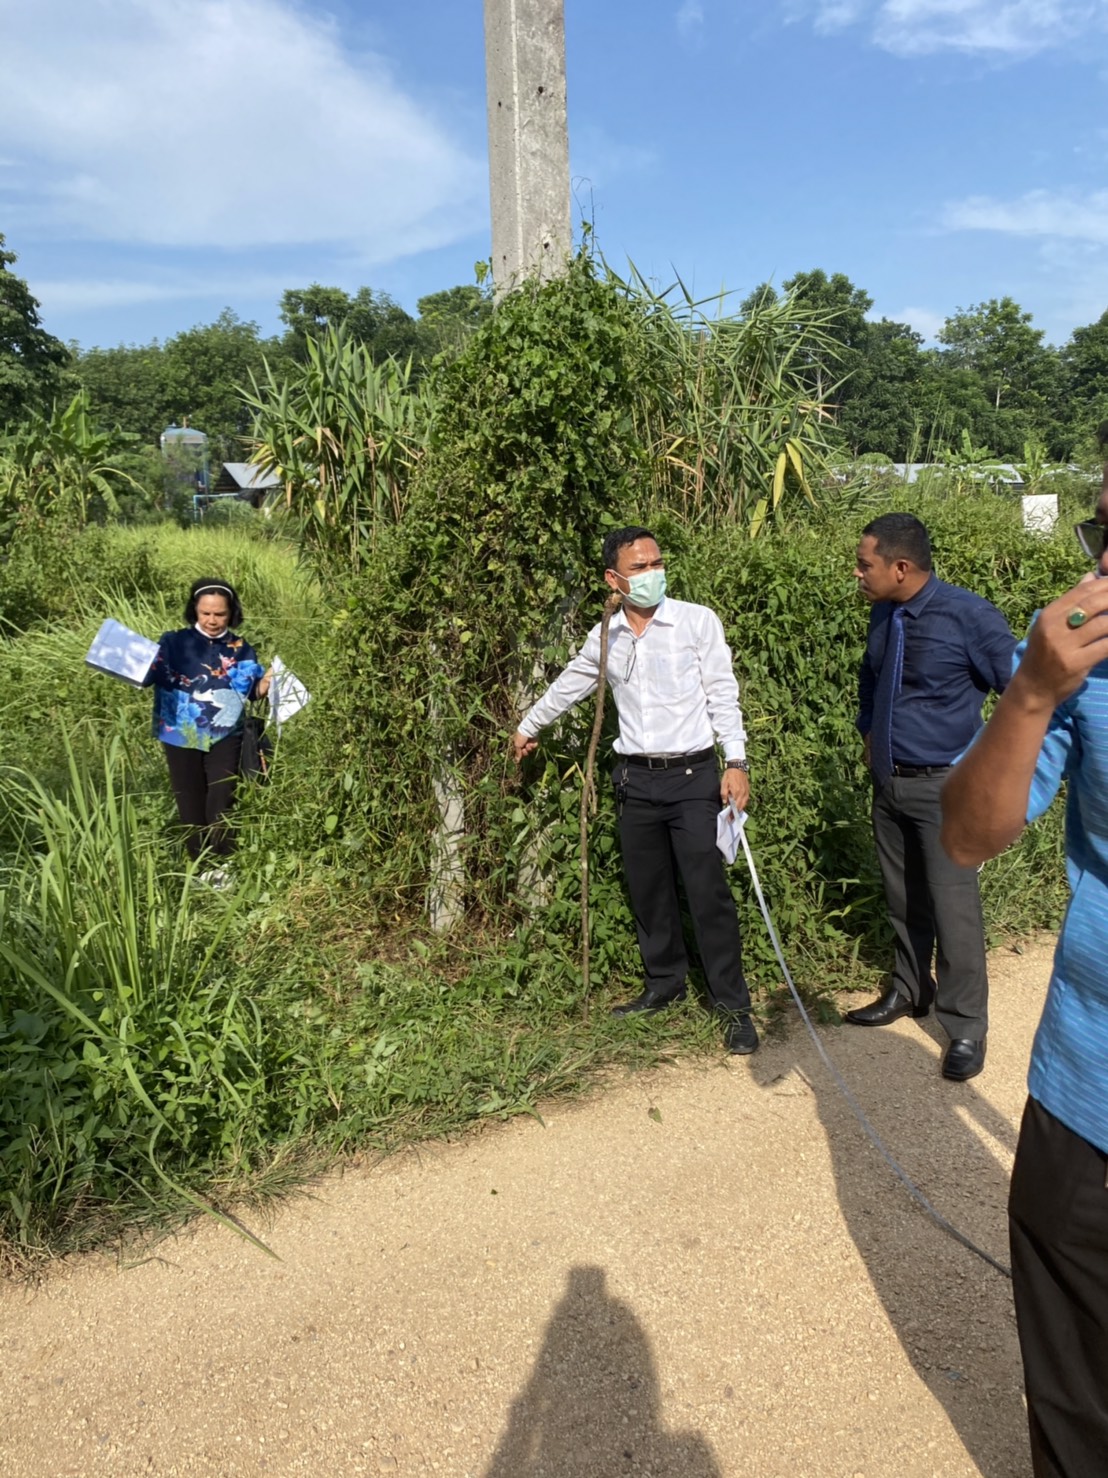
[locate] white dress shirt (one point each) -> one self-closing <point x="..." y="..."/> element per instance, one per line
<point x="673" y="685"/>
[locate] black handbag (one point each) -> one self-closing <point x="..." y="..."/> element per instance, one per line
<point x="257" y="749"/>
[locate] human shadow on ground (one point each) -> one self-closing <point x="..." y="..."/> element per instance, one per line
<point x="591" y="1406"/>
<point x="951" y="1312"/>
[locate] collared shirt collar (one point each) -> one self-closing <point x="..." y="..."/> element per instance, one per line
<point x="661" y="616"/>
<point x="922" y="598"/>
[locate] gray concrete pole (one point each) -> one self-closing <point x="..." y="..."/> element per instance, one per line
<point x="525" y="65"/>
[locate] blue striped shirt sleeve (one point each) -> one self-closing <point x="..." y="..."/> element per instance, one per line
<point x="1061" y="747"/>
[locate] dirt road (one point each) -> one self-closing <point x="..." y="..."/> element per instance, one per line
<point x="705" y="1272"/>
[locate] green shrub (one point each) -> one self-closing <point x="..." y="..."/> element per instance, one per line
<point x="797" y="628"/>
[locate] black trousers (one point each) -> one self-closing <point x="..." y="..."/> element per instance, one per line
<point x="668" y="827"/>
<point x="1058" y="1226"/>
<point x="204" y="784"/>
<point x="934" y="907"/>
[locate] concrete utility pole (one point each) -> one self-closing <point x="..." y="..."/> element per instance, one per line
<point x="525" y="67"/>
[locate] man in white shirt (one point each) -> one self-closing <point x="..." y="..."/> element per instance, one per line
<point x="669" y="668"/>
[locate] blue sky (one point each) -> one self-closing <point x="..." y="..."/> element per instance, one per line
<point x="162" y="159"/>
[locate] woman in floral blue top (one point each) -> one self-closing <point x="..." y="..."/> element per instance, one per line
<point x="203" y="677"/>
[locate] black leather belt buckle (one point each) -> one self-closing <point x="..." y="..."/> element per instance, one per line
<point x="919" y="772"/>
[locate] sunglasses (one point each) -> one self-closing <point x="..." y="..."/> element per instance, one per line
<point x="1093" y="537"/>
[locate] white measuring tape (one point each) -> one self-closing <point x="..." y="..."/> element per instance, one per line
<point x="859" y="1113"/>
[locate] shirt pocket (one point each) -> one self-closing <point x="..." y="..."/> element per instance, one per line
<point x="671" y="675"/>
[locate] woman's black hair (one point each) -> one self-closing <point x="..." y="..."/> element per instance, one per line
<point x="214" y="587"/>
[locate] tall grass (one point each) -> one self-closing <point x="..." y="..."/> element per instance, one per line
<point x="726" y="411"/>
<point x="132" y="1059"/>
<point x="344" y="435"/>
<point x="167" y="1048"/>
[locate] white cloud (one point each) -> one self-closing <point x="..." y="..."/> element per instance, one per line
<point x="1005" y="29"/>
<point x="597" y="157"/>
<point x="690" y="18"/>
<point x="78" y="295"/>
<point x="1069" y="231"/>
<point x="229" y="123"/>
<point x="63" y="295"/>
<point x="925" y="321"/>
<point x="833" y="15"/>
<point x="1057" y="215"/>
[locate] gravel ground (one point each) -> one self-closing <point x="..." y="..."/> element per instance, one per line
<point x="704" y="1272"/>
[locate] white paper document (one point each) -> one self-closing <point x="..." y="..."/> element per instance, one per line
<point x="122" y="653"/>
<point x="287" y="694"/>
<point x="729" y="825"/>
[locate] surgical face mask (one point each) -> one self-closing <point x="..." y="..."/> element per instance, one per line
<point x="647" y="589"/>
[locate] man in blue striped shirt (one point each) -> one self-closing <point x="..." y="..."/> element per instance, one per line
<point x="1052" y="725"/>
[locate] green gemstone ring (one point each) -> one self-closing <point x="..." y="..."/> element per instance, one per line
<point x="1077" y="617"/>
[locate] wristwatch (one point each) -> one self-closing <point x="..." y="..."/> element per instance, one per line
<point x="742" y="765"/>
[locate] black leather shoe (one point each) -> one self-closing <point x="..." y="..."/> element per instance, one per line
<point x="964" y="1059"/>
<point x="889" y="1007"/>
<point x="740" y="1035"/>
<point x="649" y="1002"/>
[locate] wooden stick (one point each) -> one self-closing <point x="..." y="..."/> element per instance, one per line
<point x="588" y="793"/>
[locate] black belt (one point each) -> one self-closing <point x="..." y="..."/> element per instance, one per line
<point x="917" y="772"/>
<point x="664" y="762"/>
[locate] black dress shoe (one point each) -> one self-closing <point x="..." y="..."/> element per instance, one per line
<point x="740" y="1035"/>
<point x="889" y="1007"/>
<point x="964" y="1059"/>
<point x="649" y="1001"/>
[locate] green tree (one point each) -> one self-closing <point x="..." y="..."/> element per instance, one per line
<point x="880" y="405"/>
<point x="32" y="362"/>
<point x="196" y="376"/>
<point x="126" y="387"/>
<point x="206" y="369"/>
<point x="1085" y="377"/>
<point x="447" y="318"/>
<point x="873" y="376"/>
<point x="368" y="318"/>
<point x="1019" y="374"/>
<point x="377" y="321"/>
<point x="952" y="400"/>
<point x="380" y="323"/>
<point x="763" y="296"/>
<point x="843" y="305"/>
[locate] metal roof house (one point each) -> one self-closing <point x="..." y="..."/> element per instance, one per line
<point x="995" y="472"/>
<point x="246" y="481"/>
